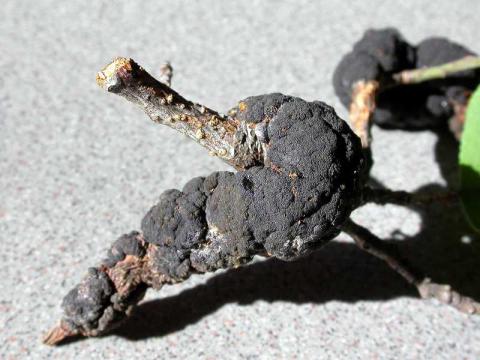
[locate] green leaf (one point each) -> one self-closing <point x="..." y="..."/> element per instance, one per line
<point x="470" y="162"/>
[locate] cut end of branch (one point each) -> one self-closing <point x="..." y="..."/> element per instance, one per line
<point x="58" y="334"/>
<point x="108" y="78"/>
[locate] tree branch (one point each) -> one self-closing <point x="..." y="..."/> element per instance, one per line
<point x="370" y="243"/>
<point x="131" y="267"/>
<point x="221" y="135"/>
<point x="130" y="278"/>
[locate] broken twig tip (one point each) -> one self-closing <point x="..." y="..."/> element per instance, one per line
<point x="56" y="335"/>
<point x="108" y="78"/>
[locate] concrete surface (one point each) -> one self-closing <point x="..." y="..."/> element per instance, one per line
<point x="78" y="167"/>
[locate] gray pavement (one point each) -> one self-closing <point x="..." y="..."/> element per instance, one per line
<point x="78" y="167"/>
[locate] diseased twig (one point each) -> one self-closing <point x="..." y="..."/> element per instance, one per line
<point x="370" y="243"/>
<point x="398" y="197"/>
<point x="57" y="334"/>
<point x="223" y="136"/>
<point x="125" y="279"/>
<point x="131" y="267"/>
<point x="223" y="220"/>
<point x="364" y="92"/>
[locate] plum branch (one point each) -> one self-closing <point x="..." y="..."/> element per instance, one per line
<point x="301" y="172"/>
<point x="221" y="135"/>
<point x="131" y="267"/>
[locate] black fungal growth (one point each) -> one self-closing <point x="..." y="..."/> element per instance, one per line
<point x="94" y="305"/>
<point x="301" y="172"/>
<point x="294" y="203"/>
<point x="381" y="53"/>
<point x="127" y="244"/>
<point x="307" y="187"/>
<point x="86" y="304"/>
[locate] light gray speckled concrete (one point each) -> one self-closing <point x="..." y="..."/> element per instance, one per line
<point x="79" y="167"/>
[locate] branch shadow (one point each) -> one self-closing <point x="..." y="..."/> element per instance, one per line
<point x="340" y="271"/>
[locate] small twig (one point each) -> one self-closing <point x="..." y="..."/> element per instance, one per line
<point x="416" y="76"/>
<point x="222" y="135"/>
<point x="386" y="196"/>
<point x="370" y="243"/>
<point x="58" y="334"/>
<point x="130" y="277"/>
<point x="166" y="73"/>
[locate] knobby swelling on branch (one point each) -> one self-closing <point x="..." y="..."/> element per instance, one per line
<point x="301" y="172"/>
<point x="387" y="81"/>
